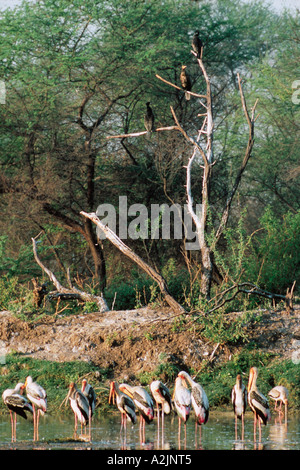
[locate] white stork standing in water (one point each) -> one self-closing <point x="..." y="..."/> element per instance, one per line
<point x="144" y="404"/>
<point x="279" y="394"/>
<point x="90" y="394"/>
<point x="125" y="404"/>
<point x="17" y="405"/>
<point x="239" y="402"/>
<point x="182" y="403"/>
<point x="38" y="397"/>
<point x="162" y="397"/>
<point x="257" y="402"/>
<point x="80" y="406"/>
<point x="198" y="398"/>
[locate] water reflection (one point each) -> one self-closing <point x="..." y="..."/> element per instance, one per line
<point x="219" y="433"/>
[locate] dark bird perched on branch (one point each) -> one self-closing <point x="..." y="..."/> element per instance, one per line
<point x="197" y="45"/>
<point x="149" y="118"/>
<point x="185" y="82"/>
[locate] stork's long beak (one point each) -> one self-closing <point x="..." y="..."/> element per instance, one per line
<point x="250" y="380"/>
<point x="125" y="390"/>
<point x="68" y="395"/>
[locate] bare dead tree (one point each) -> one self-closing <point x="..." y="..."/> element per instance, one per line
<point x="205" y="151"/>
<point x="207" y="155"/>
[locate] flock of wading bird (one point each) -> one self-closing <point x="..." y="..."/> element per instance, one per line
<point x="131" y="400"/>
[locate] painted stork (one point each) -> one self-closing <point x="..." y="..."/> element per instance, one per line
<point x="239" y="402"/>
<point x="90" y="394"/>
<point x="198" y="398"/>
<point x="38" y="397"/>
<point x="124" y="404"/>
<point x="279" y="394"/>
<point x="17" y="405"/>
<point x="143" y="402"/>
<point x="257" y="402"/>
<point x="79" y="404"/>
<point x="182" y="400"/>
<point x="162" y="397"/>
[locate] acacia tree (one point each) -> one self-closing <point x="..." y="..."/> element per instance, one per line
<point x="76" y="73"/>
<point x="276" y="76"/>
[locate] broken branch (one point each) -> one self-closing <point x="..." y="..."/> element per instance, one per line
<point x="179" y="88"/>
<point x="67" y="294"/>
<point x="137" y="134"/>
<point x="115" y="240"/>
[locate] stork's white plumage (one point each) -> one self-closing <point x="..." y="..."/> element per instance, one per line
<point x="279" y="394"/>
<point x="90" y="394"/>
<point x="239" y="402"/>
<point x="239" y="398"/>
<point x="124" y="403"/>
<point x="79" y="404"/>
<point x="257" y="402"/>
<point x="162" y="397"/>
<point x="38" y="397"/>
<point x="17" y="405"/>
<point x="198" y="398"/>
<point x="143" y="402"/>
<point x="182" y="400"/>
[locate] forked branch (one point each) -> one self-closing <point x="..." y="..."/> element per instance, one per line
<point x="251" y="121"/>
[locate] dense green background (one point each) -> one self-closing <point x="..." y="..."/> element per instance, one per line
<point x="77" y="73"/>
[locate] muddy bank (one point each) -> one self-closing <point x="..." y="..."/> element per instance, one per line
<point x="130" y="342"/>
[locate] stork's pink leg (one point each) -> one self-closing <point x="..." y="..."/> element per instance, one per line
<point x="12" y="425"/>
<point x="34" y="422"/>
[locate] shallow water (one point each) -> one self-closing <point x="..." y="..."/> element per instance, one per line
<point x="57" y="432"/>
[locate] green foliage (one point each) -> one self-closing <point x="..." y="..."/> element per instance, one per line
<point x="232" y="260"/>
<point x="98" y="60"/>
<point x="218" y="380"/>
<point x="54" y="377"/>
<point x="219" y="328"/>
<point x="166" y="370"/>
<point x="9" y="290"/>
<point x="129" y="293"/>
<point x="276" y="170"/>
<point x="19" y="265"/>
<point x="274" y="261"/>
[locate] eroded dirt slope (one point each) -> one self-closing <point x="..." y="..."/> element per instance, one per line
<point x="133" y="341"/>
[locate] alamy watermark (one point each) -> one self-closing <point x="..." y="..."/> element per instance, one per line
<point x="161" y="221"/>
